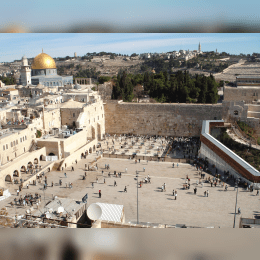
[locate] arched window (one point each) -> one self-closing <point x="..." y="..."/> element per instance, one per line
<point x="235" y="112"/>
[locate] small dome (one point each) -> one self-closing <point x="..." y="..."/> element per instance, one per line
<point x="43" y="61"/>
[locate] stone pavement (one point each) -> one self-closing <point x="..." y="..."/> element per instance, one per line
<point x="154" y="206"/>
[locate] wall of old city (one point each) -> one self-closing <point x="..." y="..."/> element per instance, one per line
<point x="158" y="119"/>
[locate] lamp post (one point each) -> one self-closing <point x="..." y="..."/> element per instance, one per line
<point x="236" y="186"/>
<point x="137" y="197"/>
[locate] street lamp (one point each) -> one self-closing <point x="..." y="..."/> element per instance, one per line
<point x="236" y="186"/>
<point x="137" y="197"/>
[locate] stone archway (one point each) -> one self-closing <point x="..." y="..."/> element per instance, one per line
<point x="23" y="169"/>
<point x="8" y="178"/>
<point x="29" y="165"/>
<point x="16" y="173"/>
<point x="41" y="157"/>
<point x="36" y="161"/>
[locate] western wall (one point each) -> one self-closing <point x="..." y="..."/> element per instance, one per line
<point x="158" y="119"/>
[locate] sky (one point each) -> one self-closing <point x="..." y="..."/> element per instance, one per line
<point x="57" y="14"/>
<point x="14" y="46"/>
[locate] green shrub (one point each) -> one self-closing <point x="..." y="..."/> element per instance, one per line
<point x="38" y="134"/>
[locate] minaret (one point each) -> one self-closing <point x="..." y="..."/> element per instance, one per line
<point x="199" y="48"/>
<point x="25" y="72"/>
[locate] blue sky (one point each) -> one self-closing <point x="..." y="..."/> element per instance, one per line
<point x="14" y="46"/>
<point x="56" y="13"/>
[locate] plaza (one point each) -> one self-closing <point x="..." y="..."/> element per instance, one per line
<point x="155" y="206"/>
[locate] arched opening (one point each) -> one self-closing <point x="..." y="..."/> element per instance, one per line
<point x="82" y="156"/>
<point x="235" y="112"/>
<point x="23" y="169"/>
<point x="35" y="161"/>
<point x="94" y="148"/>
<point x="16" y="173"/>
<point x="8" y="178"/>
<point x="51" y="154"/>
<point x="29" y="165"/>
<point x="41" y="158"/>
<point x="90" y="150"/>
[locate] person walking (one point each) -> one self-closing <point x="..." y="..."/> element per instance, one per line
<point x="115" y="183"/>
<point x="72" y="168"/>
<point x="52" y="183"/>
<point x="125" y="169"/>
<point x="92" y="185"/>
<point x="99" y="193"/>
<point x="207" y="193"/>
<point x="173" y="165"/>
<point x="239" y="211"/>
<point x="175" y="195"/>
<point x="177" y="165"/>
<point x="195" y="190"/>
<point x="125" y="189"/>
<point x="173" y="192"/>
<point x="65" y="174"/>
<point x="257" y="192"/>
<point x="104" y="181"/>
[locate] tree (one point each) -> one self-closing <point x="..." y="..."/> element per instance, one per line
<point x="103" y="79"/>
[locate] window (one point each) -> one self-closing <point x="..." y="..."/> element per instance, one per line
<point x="24" y="149"/>
<point x="235" y="112"/>
<point x="21" y="140"/>
<point x="16" y="141"/>
<point x="3" y="147"/>
<point x="73" y="114"/>
<point x="6" y="146"/>
<point x="8" y="158"/>
<point x="25" y="137"/>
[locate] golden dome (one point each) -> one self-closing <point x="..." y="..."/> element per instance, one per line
<point x="43" y="61"/>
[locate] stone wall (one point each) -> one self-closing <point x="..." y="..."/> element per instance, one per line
<point x="248" y="94"/>
<point x="158" y="119"/>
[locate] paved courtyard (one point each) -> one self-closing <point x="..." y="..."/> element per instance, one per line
<point x="155" y="206"/>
